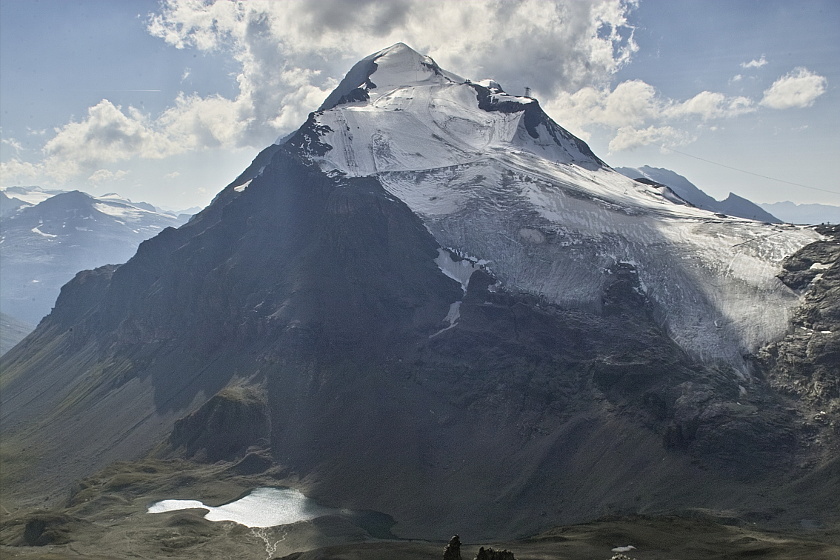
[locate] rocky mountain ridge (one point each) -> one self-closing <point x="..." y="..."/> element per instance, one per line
<point x="733" y="205"/>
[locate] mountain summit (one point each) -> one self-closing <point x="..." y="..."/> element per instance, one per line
<point x="397" y="66"/>
<point x="547" y="215"/>
<point x="397" y="110"/>
<point x="433" y="301"/>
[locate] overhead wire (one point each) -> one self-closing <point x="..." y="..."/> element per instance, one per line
<point x="750" y="172"/>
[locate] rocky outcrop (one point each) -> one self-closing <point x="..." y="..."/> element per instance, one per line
<point x="453" y="549"/>
<point x="43" y="528"/>
<point x="806" y="362"/>
<point x="224" y="427"/>
<point x="490" y="554"/>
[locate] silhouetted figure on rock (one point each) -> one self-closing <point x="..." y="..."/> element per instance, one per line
<point x="453" y="549"/>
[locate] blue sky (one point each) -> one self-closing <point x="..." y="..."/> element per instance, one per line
<point x="168" y="102"/>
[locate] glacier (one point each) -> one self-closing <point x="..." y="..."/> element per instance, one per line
<point x="492" y="176"/>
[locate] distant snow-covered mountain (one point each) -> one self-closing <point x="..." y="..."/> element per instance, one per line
<point x="46" y="237"/>
<point x="9" y="205"/>
<point x="31" y="194"/>
<point x="804" y="213"/>
<point x="733" y="205"/>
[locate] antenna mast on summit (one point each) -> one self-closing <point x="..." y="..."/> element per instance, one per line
<point x="527" y="91"/>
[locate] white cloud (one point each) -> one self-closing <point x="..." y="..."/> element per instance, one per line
<point x="107" y="134"/>
<point x="173" y="175"/>
<point x="549" y="46"/>
<point x="755" y="63"/>
<point x="16" y="172"/>
<point x="106" y="176"/>
<point x="629" y="138"/>
<point x="710" y="105"/>
<point x="13" y="144"/>
<point x="799" y="88"/>
<point x="635" y="114"/>
<point x="630" y="104"/>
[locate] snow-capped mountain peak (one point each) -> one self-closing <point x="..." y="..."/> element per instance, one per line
<point x="494" y="177"/>
<point x="398" y="110"/>
<point x="375" y="75"/>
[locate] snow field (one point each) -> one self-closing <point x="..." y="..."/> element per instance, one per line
<point x="552" y="219"/>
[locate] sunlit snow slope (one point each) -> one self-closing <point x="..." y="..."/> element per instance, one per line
<point x="494" y="178"/>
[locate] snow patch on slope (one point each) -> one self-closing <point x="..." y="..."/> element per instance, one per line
<point x="122" y="211"/>
<point x="244" y="185"/>
<point x="451" y="317"/>
<point x="459" y="270"/>
<point x="39" y="232"/>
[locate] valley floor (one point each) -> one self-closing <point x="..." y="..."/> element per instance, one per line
<point x="667" y="538"/>
<point x="106" y="517"/>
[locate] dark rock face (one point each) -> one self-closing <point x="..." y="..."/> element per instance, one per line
<point x="801" y="268"/>
<point x="357" y="78"/>
<point x="488" y="102"/>
<point x="355" y="96"/>
<point x="225" y="426"/>
<point x="806" y="362"/>
<point x="533" y="116"/>
<point x="272" y="282"/>
<point x="308" y="138"/>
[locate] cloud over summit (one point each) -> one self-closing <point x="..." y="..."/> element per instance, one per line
<point x="284" y="57"/>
